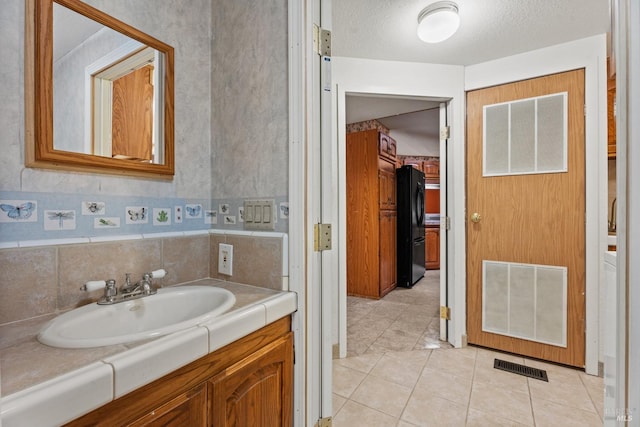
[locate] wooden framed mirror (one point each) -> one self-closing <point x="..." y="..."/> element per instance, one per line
<point x="101" y="101"/>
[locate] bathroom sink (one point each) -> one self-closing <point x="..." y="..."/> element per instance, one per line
<point x="169" y="310"/>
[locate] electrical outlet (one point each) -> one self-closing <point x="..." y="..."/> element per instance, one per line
<point x="225" y="259"/>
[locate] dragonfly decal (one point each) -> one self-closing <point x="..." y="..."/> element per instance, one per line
<point x="61" y="216"/>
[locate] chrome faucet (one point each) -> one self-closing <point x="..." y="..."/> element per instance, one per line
<point x="612" y="219"/>
<point x="128" y="291"/>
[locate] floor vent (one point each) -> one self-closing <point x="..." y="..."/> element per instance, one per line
<point x="516" y="368"/>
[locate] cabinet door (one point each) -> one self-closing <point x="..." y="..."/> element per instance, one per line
<point x="258" y="390"/>
<point x="387" y="147"/>
<point x="388" y="232"/>
<point x="431" y="168"/>
<point x="432" y="248"/>
<point x="188" y="409"/>
<point x="387" y="184"/>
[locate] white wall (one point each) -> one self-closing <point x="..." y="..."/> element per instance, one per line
<point x="589" y="53"/>
<point x="431" y="81"/>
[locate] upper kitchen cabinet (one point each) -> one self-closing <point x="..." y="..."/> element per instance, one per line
<point x="611" y="115"/>
<point x="371" y="213"/>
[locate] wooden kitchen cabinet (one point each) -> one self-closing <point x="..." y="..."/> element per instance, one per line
<point x="432" y="248"/>
<point x="371" y="214"/>
<point x="387" y="184"/>
<point x="387" y="147"/>
<point x="388" y="242"/>
<point x="248" y="382"/>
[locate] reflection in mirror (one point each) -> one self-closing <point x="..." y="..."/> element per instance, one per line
<point x="111" y="107"/>
<point x="104" y="101"/>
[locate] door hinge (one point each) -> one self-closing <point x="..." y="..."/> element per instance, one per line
<point x="321" y="237"/>
<point x="325" y="422"/>
<point x="445" y="132"/>
<point x="321" y="41"/>
<point x="585" y="110"/>
<point x="447" y="222"/>
<point x="445" y="313"/>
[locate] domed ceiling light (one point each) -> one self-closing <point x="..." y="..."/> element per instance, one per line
<point x="438" y="21"/>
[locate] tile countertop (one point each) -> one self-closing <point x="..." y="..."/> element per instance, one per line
<point x="42" y="385"/>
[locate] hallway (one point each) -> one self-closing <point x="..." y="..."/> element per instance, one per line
<point x="397" y="373"/>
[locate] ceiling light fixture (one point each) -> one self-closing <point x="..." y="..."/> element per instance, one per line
<point x="438" y="21"/>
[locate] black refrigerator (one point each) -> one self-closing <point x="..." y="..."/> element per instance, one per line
<point x="410" y="202"/>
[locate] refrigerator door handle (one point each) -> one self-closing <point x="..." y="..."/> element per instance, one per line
<point x="419" y="205"/>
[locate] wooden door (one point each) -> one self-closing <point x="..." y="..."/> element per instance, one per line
<point x="132" y="123"/>
<point x="526" y="245"/>
<point x="257" y="391"/>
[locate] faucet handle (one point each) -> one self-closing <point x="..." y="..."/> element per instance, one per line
<point x="158" y="274"/>
<point x="93" y="285"/>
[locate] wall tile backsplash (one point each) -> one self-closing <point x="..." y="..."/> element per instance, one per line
<point x="46" y="280"/>
<point x="26" y="216"/>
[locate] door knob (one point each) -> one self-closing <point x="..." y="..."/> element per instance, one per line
<point x="475" y="217"/>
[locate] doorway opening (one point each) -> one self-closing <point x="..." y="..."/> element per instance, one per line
<point x="385" y="133"/>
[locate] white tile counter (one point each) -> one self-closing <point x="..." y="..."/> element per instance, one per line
<point x="44" y="386"/>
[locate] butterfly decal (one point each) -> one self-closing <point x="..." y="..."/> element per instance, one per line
<point x="212" y="214"/>
<point x="22" y="211"/>
<point x="61" y="216"/>
<point x="137" y="214"/>
<point x="285" y="211"/>
<point x="193" y="211"/>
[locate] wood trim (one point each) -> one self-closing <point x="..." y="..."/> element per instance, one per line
<point x="39" y="149"/>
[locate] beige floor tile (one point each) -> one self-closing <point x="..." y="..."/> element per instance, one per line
<point x="382" y="395"/>
<point x="435" y="412"/>
<point x="570" y="394"/>
<point x="488" y="356"/>
<point x="402" y="423"/>
<point x="551" y="414"/>
<point x="489" y="375"/>
<point x="499" y="402"/>
<point x="346" y="380"/>
<point x="430" y="342"/>
<point x="595" y="388"/>
<point x="363" y="363"/>
<point x="337" y="402"/>
<point x="455" y="362"/>
<point x="394" y="340"/>
<point x="400" y="371"/>
<point x="353" y="414"/>
<point x="441" y="384"/>
<point x="477" y="418"/>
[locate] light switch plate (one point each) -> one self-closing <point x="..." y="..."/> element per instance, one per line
<point x="259" y="214"/>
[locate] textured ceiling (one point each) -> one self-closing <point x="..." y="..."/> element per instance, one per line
<point x="489" y="29"/>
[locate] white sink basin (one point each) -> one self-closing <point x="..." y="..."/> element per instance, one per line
<point x="170" y="310"/>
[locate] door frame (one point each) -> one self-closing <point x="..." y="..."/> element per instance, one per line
<point x="444" y="82"/>
<point x="591" y="54"/>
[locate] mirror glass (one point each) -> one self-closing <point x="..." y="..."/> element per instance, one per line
<point x="107" y="91"/>
<point x="109" y="106"/>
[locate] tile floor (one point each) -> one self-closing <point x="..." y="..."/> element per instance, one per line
<point x="397" y="373"/>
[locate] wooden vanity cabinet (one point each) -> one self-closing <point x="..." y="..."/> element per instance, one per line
<point x="248" y="382"/>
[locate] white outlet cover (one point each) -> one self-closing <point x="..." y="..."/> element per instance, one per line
<point x="225" y="259"/>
